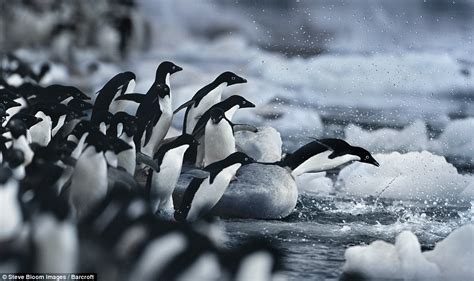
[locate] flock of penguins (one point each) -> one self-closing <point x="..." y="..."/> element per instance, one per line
<point x="69" y="195"/>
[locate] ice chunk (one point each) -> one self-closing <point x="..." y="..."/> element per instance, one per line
<point x="314" y="183"/>
<point x="457" y="139"/>
<point x="260" y="192"/>
<point x="412" y="176"/>
<point x="411" y="138"/>
<point x="455" y="254"/>
<point x="380" y="259"/>
<point x="263" y="146"/>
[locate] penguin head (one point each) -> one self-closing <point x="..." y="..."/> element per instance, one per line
<point x="117" y="145"/>
<point x="364" y="155"/>
<point x="28" y="119"/>
<point x="79" y="104"/>
<point x="230" y="78"/>
<point x="14" y="157"/>
<point x="129" y="122"/>
<point x="216" y="115"/>
<point x="240" y="101"/>
<point x="8" y="103"/>
<point x="17" y="128"/>
<point x="164" y="69"/>
<point x="240" y="157"/>
<point x="163" y="90"/>
<point x="82" y="127"/>
<point x="98" y="140"/>
<point x="185" y="139"/>
<point x="63" y="92"/>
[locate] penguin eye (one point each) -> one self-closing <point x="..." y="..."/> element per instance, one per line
<point x="367" y="157"/>
<point x="173" y="67"/>
<point x="232" y="78"/>
<point x="244" y="102"/>
<point x="246" y="159"/>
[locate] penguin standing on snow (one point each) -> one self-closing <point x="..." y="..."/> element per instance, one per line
<point x="205" y="98"/>
<point x="202" y="194"/>
<point x="163" y="178"/>
<point x="325" y="154"/>
<point x="89" y="180"/>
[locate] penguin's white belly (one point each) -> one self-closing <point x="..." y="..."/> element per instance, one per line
<point x="208" y="194"/>
<point x="206" y="102"/>
<point x="22" y="144"/>
<point x="41" y="132"/>
<point x="57" y="245"/>
<point x="321" y="162"/>
<point x="164" y="182"/>
<point x="256" y="266"/>
<point x="157" y="255"/>
<point x="127" y="159"/>
<point x="89" y="181"/>
<point x="11" y="218"/>
<point x="61" y="121"/>
<point x="219" y="142"/>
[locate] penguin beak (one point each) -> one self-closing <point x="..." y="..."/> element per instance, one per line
<point x="249" y="104"/>
<point x="177" y="69"/>
<point x="375" y="163"/>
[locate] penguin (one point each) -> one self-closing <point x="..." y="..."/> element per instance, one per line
<point x="125" y="127"/>
<point x="229" y="106"/>
<point x="162" y="180"/>
<point x="117" y="86"/>
<point x="15" y="160"/>
<point x="54" y="235"/>
<point x="219" y="141"/>
<point x="205" y="98"/>
<point x="154" y="118"/>
<point x="11" y="217"/>
<point x="324" y="154"/>
<point x="89" y="180"/>
<point x="203" y="193"/>
<point x="257" y="259"/>
<point x="18" y="131"/>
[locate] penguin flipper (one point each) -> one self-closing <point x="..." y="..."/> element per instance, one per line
<point x="147" y="160"/>
<point x="138" y="98"/>
<point x="183" y="106"/>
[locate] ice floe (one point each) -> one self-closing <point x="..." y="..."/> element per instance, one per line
<point x="410" y="176"/>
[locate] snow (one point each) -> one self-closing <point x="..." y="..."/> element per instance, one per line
<point x="451" y="258"/>
<point x="411" y="138"/>
<point x="314" y="184"/>
<point x="410" y="176"/>
<point x="260" y="192"/>
<point x="263" y="146"/>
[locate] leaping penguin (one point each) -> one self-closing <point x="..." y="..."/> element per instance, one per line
<point x="325" y="154"/>
<point x="203" y="193"/>
<point x="205" y="98"/>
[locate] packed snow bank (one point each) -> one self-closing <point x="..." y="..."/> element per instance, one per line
<point x="411" y="176"/>
<point x="260" y="192"/>
<point x="411" y="138"/>
<point x="263" y="146"/>
<point x="314" y="184"/>
<point x="457" y="139"/>
<point x="450" y="260"/>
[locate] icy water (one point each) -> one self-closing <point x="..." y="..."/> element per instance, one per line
<point x="314" y="237"/>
